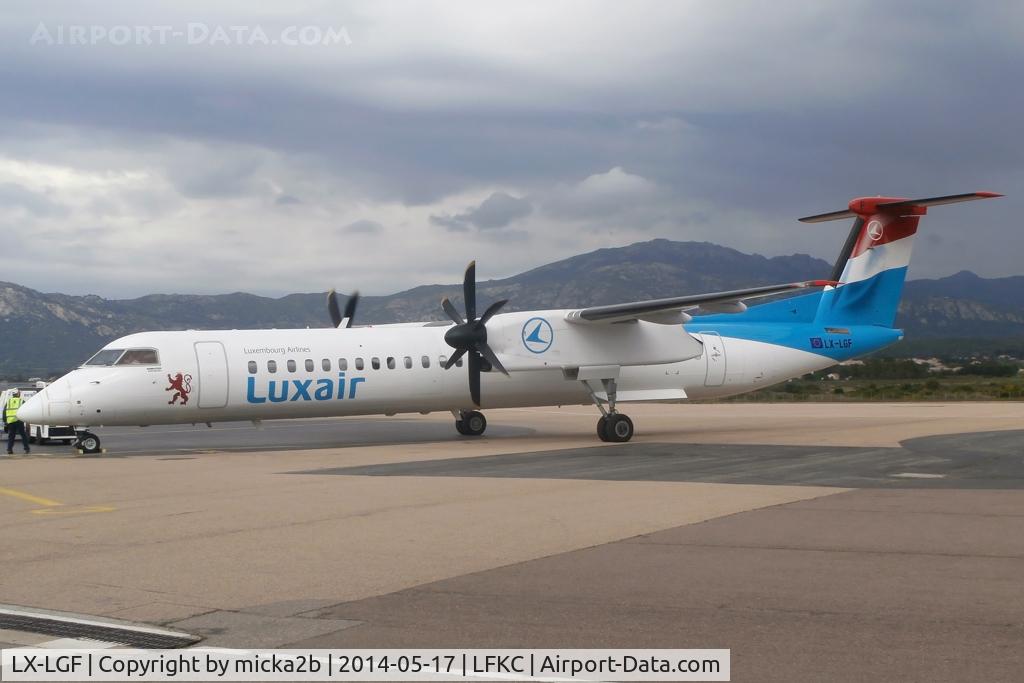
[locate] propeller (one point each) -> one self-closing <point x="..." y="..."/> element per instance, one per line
<point x="350" y="308"/>
<point x="469" y="335"/>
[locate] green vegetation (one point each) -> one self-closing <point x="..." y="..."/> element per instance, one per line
<point x="889" y="379"/>
<point x="954" y="348"/>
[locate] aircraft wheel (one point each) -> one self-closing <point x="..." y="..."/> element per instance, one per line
<point x="88" y="442"/>
<point x="473" y="423"/>
<point x="619" y="428"/>
<point x="460" y="427"/>
<point x="602" y="428"/>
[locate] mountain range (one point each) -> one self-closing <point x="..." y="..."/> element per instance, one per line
<point x="43" y="334"/>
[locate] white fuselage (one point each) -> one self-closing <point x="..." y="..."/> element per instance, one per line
<point x="270" y="374"/>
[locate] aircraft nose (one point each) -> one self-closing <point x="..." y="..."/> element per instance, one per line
<point x="33" y="410"/>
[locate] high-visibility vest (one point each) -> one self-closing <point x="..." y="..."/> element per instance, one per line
<point x="11" y="413"/>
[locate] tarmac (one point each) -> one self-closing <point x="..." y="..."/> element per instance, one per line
<point x="816" y="541"/>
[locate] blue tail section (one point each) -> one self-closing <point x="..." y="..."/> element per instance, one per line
<point x="856" y="316"/>
<point x="873" y="301"/>
<point x="841" y="323"/>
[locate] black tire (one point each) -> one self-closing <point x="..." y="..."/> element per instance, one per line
<point x="474" y="423"/>
<point x="620" y="428"/>
<point x="89" y="443"/>
<point x="602" y="428"/>
<point x="460" y="427"/>
<point x="39" y="437"/>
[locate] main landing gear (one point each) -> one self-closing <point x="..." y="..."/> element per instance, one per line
<point x="87" y="442"/>
<point x="613" y="426"/>
<point x="471" y="423"/>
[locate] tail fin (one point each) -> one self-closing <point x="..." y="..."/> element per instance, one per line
<point x="873" y="264"/>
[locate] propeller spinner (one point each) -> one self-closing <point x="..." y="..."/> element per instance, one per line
<point x="469" y="335"/>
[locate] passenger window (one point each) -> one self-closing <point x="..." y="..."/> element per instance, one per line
<point x="408" y="363"/>
<point x="326" y="364"/>
<point x="458" y="363"/>
<point x="291" y="366"/>
<point x="426" y="361"/>
<point x="271" y="366"/>
<point x="375" y="363"/>
<point x="441" y="360"/>
<point x="343" y="364"/>
<point x="391" y="362"/>
<point x="309" y="365"/>
<point x="252" y="367"/>
<point x="139" y="357"/>
<point x="359" y="363"/>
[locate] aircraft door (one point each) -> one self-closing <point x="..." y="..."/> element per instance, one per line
<point x="714" y="352"/>
<point x="212" y="362"/>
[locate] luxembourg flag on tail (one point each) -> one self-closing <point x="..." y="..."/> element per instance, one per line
<point x="873" y="264"/>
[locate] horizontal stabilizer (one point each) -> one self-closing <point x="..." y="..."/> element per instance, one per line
<point x="865" y="206"/>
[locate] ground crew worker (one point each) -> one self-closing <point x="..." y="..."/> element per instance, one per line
<point x="13" y="425"/>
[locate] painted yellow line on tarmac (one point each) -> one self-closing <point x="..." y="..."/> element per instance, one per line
<point x="53" y="507"/>
<point x="15" y="493"/>
<point x="72" y="510"/>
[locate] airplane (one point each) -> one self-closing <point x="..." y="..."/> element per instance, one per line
<point x="685" y="347"/>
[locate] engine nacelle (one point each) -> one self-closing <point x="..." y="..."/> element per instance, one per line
<point x="544" y="339"/>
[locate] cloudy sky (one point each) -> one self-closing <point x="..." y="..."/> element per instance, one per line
<point x="186" y="147"/>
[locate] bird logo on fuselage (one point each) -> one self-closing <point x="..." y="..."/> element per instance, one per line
<point x="538" y="335"/>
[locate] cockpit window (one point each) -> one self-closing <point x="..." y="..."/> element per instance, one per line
<point x="105" y="357"/>
<point x="139" y="357"/>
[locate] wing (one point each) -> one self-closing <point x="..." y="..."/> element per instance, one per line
<point x="672" y="311"/>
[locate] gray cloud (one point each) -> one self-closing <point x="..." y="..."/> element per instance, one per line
<point x="497" y="211"/>
<point x="601" y="195"/>
<point x="720" y="121"/>
<point x="362" y="226"/>
<point x="35" y="203"/>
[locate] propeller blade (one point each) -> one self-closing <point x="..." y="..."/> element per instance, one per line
<point x="332" y="307"/>
<point x="489" y="356"/>
<point x="492" y="309"/>
<point x="350" y="308"/>
<point x="469" y="290"/>
<point x="455" y="358"/>
<point x="450" y="310"/>
<point x="474" y="378"/>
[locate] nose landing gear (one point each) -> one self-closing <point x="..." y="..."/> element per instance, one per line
<point x="87" y="442"/>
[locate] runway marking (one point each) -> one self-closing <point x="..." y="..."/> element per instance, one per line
<point x="919" y="475"/>
<point x="15" y="493"/>
<point x="53" y="507"/>
<point x="72" y="510"/>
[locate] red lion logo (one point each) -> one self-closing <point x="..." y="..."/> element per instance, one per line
<point x="181" y="385"/>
